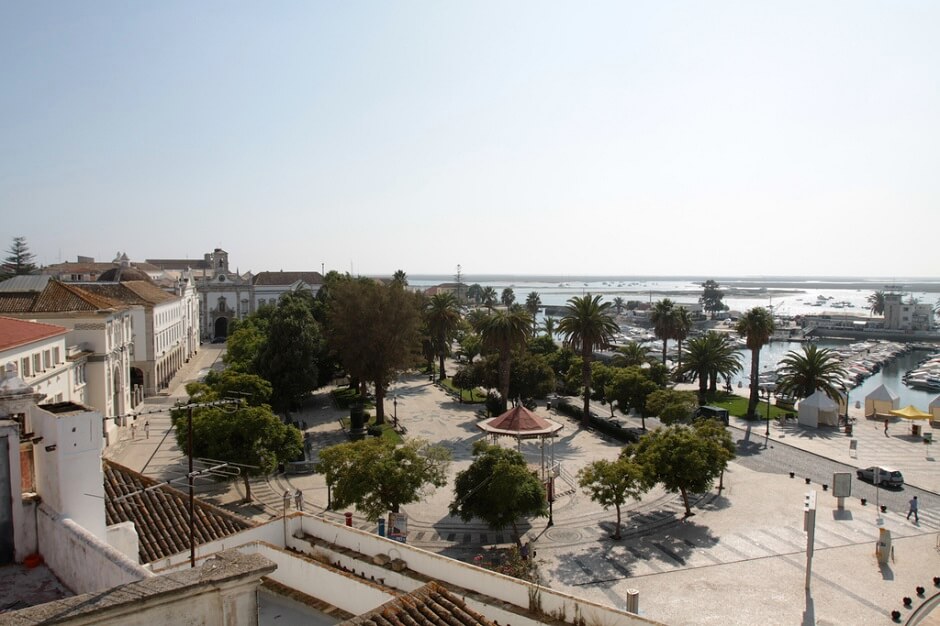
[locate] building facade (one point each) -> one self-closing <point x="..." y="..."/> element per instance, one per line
<point x="910" y="316"/>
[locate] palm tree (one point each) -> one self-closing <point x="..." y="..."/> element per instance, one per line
<point x="532" y="304"/>
<point x="502" y="332"/>
<point x="442" y="316"/>
<point x="662" y="319"/>
<point x="757" y="325"/>
<point x="508" y="297"/>
<point x="619" y="304"/>
<point x="817" y="368"/>
<point x="708" y="357"/>
<point x="400" y="278"/>
<point x="681" y="325"/>
<point x="587" y="325"/>
<point x="549" y="325"/>
<point x="876" y="303"/>
<point x="489" y="297"/>
<point x="632" y="353"/>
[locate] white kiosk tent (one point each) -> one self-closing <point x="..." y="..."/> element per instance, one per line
<point x="934" y="410"/>
<point x="818" y="409"/>
<point x="881" y="401"/>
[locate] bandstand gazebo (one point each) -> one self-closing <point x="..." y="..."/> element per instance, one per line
<point x="521" y="423"/>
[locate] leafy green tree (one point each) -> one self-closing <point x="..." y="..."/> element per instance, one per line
<point x="288" y="358"/>
<point x="508" y="297"/>
<point x="475" y="293"/>
<point x="400" y="278"/>
<point x="757" y="325"/>
<point x="377" y="476"/>
<point x="612" y="483"/>
<point x="375" y="331"/>
<point x="716" y="432"/>
<point x="471" y="345"/>
<point x="707" y="357"/>
<point x="711" y="297"/>
<point x="662" y="318"/>
<point x="587" y="326"/>
<point x="680" y="459"/>
<point x="671" y="405"/>
<point x="463" y="379"/>
<point x="252" y="389"/>
<point x="499" y="489"/>
<point x="442" y="317"/>
<point x="531" y="377"/>
<point x="630" y="387"/>
<point x="800" y="375"/>
<point x="876" y="303"/>
<point x="252" y="436"/>
<point x="504" y="332"/>
<point x="542" y="345"/>
<point x="244" y="345"/>
<point x="619" y="304"/>
<point x="19" y="260"/>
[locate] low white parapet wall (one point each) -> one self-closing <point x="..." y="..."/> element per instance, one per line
<point x="80" y="559"/>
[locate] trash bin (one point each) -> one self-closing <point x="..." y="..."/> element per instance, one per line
<point x="928" y="437"/>
<point x="848" y="429"/>
<point x="915" y="430"/>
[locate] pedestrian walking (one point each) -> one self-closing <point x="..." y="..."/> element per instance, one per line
<point x="913" y="509"/>
<point x="299" y="500"/>
<point x="886" y="429"/>
<point x="147" y="429"/>
<point x="133" y="431"/>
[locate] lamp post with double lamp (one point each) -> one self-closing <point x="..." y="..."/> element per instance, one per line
<point x="768" y="390"/>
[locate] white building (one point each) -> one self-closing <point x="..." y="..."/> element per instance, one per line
<point x="268" y="287"/>
<point x="39" y="354"/>
<point x="100" y="341"/>
<point x="910" y="316"/>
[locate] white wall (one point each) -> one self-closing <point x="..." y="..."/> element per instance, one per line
<point x="82" y="561"/>
<point x="123" y="537"/>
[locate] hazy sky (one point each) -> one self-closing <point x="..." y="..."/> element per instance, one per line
<point x="662" y="138"/>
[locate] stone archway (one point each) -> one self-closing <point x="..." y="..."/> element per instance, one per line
<point x="221" y="327"/>
<point x="117" y="391"/>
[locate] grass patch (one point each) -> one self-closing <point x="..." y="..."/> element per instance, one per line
<point x="737" y="406"/>
<point x="470" y="396"/>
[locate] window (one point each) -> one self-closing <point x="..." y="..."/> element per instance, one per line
<point x="56" y="357"/>
<point x="37" y="363"/>
<point x="24" y="367"/>
<point x="46" y="359"/>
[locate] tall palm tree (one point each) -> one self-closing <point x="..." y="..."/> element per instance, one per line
<point x="400" y="278"/>
<point x="757" y="326"/>
<point x="662" y="319"/>
<point x="876" y="303"/>
<point x="503" y="332"/>
<point x="681" y="325"/>
<point x="442" y="316"/>
<point x="706" y="358"/>
<point x="586" y="326"/>
<point x="507" y="297"/>
<point x="532" y="304"/>
<point x="801" y="375"/>
<point x="489" y="297"/>
<point x="550" y="326"/>
<point x="619" y="304"/>
<point x="632" y="353"/>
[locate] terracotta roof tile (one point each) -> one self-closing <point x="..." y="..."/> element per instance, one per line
<point x="55" y="297"/>
<point x="287" y="278"/>
<point x="15" y="332"/>
<point x="141" y="292"/>
<point x="430" y="605"/>
<point x="161" y="515"/>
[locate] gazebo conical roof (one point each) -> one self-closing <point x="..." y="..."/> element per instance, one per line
<point x="520" y="422"/>
<point x="911" y="412"/>
<point x="882" y="393"/>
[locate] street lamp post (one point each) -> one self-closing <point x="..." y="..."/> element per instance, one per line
<point x="395" y="410"/>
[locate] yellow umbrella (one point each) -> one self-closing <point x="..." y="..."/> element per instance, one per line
<point x="910" y="412"/>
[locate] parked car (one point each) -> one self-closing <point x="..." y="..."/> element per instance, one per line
<point x="887" y="476"/>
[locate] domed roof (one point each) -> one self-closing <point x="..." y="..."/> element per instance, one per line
<point x="122" y="275"/>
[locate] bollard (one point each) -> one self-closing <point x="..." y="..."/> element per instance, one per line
<point x="633" y="601"/>
<point x="348" y="518"/>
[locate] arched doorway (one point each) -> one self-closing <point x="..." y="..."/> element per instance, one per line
<point x="137" y="386"/>
<point x="117" y="392"/>
<point x="221" y="327"/>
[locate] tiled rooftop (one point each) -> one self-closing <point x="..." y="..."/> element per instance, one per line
<point x="429" y="605"/>
<point x="51" y="297"/>
<point x="142" y="292"/>
<point x="287" y="278"/>
<point x="15" y="332"/>
<point x="161" y="515"/>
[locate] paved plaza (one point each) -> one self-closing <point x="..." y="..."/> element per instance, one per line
<point x="739" y="559"/>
